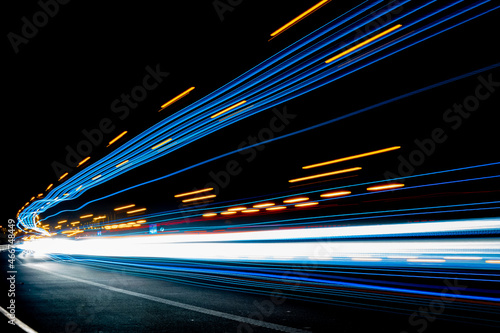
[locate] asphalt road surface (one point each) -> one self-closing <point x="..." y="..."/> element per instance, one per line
<point x="67" y="297"/>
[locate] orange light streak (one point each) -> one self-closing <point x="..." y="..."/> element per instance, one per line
<point x="307" y="204"/>
<point x="300" y="17"/>
<point x="384" y="187"/>
<point x="228" y="109"/>
<point x="335" y="194"/>
<point x="176" y="98"/>
<point x="354" y="48"/>
<point x="200" y="198"/>
<point x="117" y="138"/>
<point x="324" y="174"/>
<point x="193" y="192"/>
<point x="298" y="199"/>
<point x="380" y="151"/>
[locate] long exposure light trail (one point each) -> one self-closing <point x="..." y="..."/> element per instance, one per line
<point x="228" y="109"/>
<point x="321" y="124"/>
<point x="343" y="159"/>
<point x="385" y="187"/>
<point x="194" y="124"/>
<point x="161" y="143"/>
<point x="300" y="17"/>
<point x="176" y="98"/>
<point x="124" y="207"/>
<point x="368" y="41"/>
<point x="118" y="137"/>
<point x="200" y="198"/>
<point x="215" y="246"/>
<point x="374" y="182"/>
<point x="83" y="161"/>
<point x="193" y="192"/>
<point x="335" y="194"/>
<point x="326" y="174"/>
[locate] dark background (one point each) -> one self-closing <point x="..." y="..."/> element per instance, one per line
<point x="65" y="78"/>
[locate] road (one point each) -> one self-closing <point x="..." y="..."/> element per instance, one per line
<point x="68" y="297"/>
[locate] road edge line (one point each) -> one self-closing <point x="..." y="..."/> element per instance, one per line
<point x="18" y="322"/>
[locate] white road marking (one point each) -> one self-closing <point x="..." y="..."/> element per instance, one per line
<point x="18" y="323"/>
<point x="210" y="312"/>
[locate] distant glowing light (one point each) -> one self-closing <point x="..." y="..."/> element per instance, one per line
<point x="263" y="205"/>
<point x="63" y="221"/>
<point x="124" y="207"/>
<point x="193" y="192"/>
<point x="209" y="214"/>
<point x="335" y="194"/>
<point x="462" y="258"/>
<point x="366" y="259"/>
<point x="250" y="211"/>
<point x="326" y="174"/>
<point x="228" y="109"/>
<point x="276" y="208"/>
<point x="161" y="143"/>
<point x="235" y="113"/>
<point x="96" y="177"/>
<point x="307" y="204"/>
<point x="354" y="48"/>
<point x="235" y="209"/>
<point x="85" y="216"/>
<point x="136" y="210"/>
<point x="228" y="213"/>
<point x="293" y="200"/>
<point x="300" y="17"/>
<point x="64" y="175"/>
<point x="49" y="187"/>
<point x="74" y="233"/>
<point x="200" y="198"/>
<point x="492" y="261"/>
<point x="176" y="98"/>
<point x="122" y="163"/>
<point x="385" y="187"/>
<point x="117" y="138"/>
<point x="83" y="161"/>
